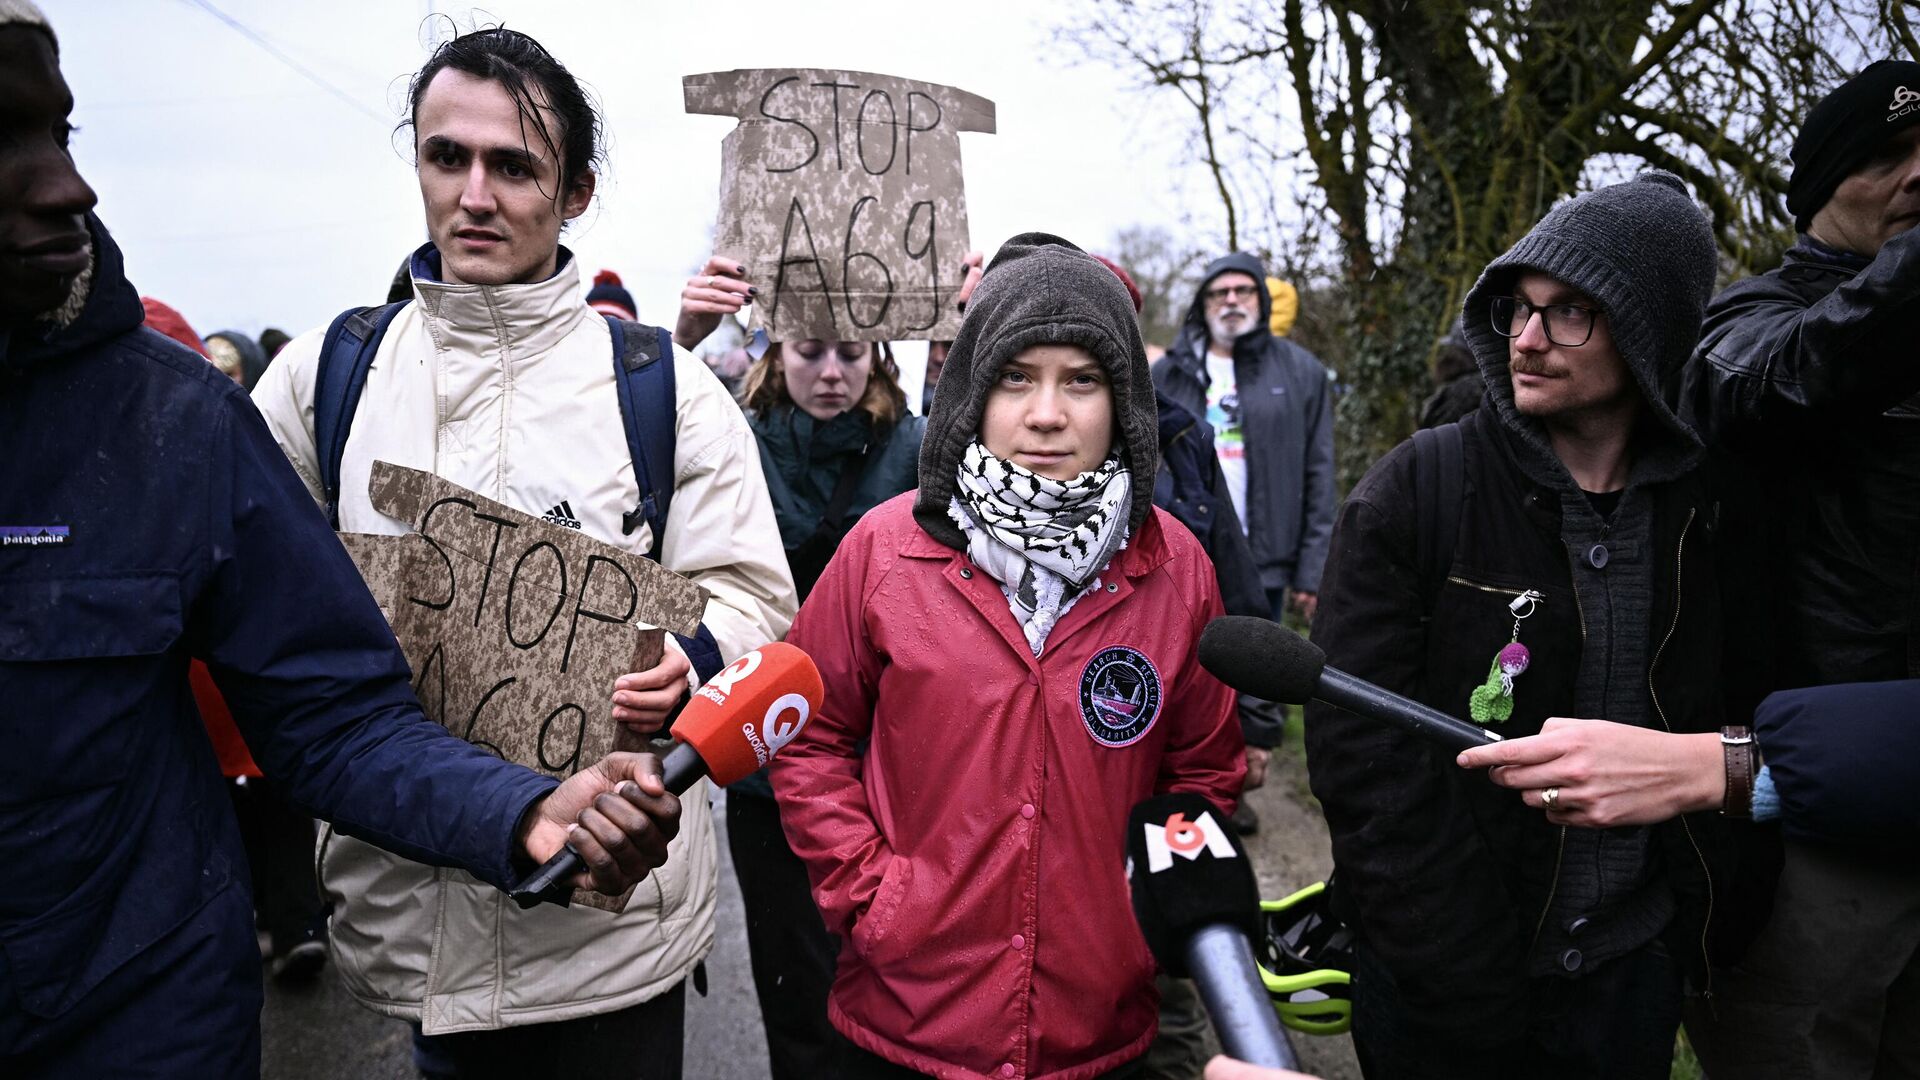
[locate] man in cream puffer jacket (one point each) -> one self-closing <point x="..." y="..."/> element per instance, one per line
<point x="499" y="378"/>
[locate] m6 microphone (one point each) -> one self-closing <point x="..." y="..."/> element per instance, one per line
<point x="730" y="727"/>
<point x="1267" y="660"/>
<point x="1198" y="906"/>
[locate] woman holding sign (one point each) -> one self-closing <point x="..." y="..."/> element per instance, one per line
<point x="835" y="440"/>
<point x="1008" y="659"/>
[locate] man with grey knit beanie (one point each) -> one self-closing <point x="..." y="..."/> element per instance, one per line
<point x="1808" y="373"/>
<point x="1551" y="555"/>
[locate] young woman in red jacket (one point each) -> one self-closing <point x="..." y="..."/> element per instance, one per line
<point x="1009" y="660"/>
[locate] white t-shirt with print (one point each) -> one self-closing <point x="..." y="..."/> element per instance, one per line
<point x="1223" y="412"/>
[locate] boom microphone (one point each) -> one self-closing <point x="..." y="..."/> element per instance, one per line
<point x="1267" y="660"/>
<point x="730" y="728"/>
<point x="1199" y="907"/>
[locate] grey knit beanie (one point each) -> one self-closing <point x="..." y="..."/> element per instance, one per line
<point x="1644" y="251"/>
<point x="1038" y="290"/>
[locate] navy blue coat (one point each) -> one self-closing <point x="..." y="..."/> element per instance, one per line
<point x="1846" y="761"/>
<point x="147" y="517"/>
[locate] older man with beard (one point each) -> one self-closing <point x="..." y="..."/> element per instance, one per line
<point x="1270" y="403"/>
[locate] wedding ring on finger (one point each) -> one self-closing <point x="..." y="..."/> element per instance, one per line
<point x="1550" y="798"/>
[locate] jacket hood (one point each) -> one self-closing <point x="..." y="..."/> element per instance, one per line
<point x="1038" y="290"/>
<point x="1195" y="324"/>
<point x="112" y="308"/>
<point x="1644" y="252"/>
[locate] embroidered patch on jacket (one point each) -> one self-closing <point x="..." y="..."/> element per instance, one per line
<point x="1119" y="695"/>
<point x="32" y="535"/>
<point x="563" y="515"/>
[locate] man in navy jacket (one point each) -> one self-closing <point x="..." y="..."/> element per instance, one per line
<point x="147" y="517"/>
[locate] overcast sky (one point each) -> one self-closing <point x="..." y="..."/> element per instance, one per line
<point x="247" y="196"/>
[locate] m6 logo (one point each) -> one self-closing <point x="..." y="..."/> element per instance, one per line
<point x="1184" y="838"/>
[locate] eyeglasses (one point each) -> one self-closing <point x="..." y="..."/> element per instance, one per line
<point x="1567" y="325"/>
<point x="1231" y="292"/>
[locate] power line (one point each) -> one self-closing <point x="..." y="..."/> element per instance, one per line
<point x="308" y="73"/>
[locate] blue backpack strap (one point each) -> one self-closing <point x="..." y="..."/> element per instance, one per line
<point x="643" y="374"/>
<point x="346" y="355"/>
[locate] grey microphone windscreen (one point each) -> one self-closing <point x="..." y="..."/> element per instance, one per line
<point x="1262" y="658"/>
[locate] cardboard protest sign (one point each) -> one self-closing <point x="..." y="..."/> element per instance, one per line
<point x="842" y="192"/>
<point x="515" y="627"/>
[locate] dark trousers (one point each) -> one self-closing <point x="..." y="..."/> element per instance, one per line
<point x="641" y="1042"/>
<point x="1179" y="1051"/>
<point x="279" y="843"/>
<point x="1831" y="989"/>
<point x="1617" y="1022"/>
<point x="861" y="1065"/>
<point x="792" y="954"/>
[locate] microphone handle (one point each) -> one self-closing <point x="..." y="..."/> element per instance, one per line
<point x="1222" y="965"/>
<point x="678" y="770"/>
<point x="1365" y="699"/>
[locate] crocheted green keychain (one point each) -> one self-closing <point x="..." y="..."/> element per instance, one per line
<point x="1492" y="701"/>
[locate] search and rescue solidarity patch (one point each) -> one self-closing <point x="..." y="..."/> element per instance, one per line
<point x="1119" y="695"/>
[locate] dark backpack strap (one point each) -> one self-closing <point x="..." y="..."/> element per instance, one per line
<point x="1439" y="487"/>
<point x="810" y="558"/>
<point x="643" y="373"/>
<point x="346" y="355"/>
<point x="843" y="489"/>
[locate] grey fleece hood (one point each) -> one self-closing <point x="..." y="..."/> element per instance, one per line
<point x="1038" y="290"/>
<point x="1195" y="324"/>
<point x="1644" y="252"/>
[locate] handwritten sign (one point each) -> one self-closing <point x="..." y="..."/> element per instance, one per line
<point x="515" y="627"/>
<point x="842" y="190"/>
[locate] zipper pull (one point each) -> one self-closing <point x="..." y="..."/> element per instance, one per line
<point x="1523" y="605"/>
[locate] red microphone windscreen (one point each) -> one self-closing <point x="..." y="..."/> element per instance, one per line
<point x="752" y="708"/>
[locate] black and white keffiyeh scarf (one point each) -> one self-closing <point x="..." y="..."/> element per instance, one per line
<point x="1045" y="540"/>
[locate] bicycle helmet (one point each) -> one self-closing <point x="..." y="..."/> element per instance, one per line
<point x="1306" y="962"/>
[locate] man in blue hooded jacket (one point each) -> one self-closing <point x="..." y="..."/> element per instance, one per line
<point x="148" y="518"/>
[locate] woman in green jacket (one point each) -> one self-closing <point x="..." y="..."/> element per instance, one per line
<point x="836" y="440"/>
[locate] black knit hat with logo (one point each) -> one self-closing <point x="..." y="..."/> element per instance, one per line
<point x="1845" y="128"/>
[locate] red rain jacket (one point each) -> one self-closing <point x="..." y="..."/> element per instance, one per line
<point x="972" y="857"/>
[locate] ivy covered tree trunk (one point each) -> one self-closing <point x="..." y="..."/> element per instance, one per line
<point x="1413" y="142"/>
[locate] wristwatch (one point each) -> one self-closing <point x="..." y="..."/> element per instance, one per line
<point x="1742" y="762"/>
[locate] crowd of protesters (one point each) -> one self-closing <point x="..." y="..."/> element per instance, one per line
<point x="1665" y="543"/>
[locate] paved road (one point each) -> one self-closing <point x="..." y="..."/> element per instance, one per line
<point x="317" y="1032"/>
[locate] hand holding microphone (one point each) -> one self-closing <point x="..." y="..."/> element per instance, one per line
<point x="1199" y="907"/>
<point x="1267" y="660"/>
<point x="731" y="727"/>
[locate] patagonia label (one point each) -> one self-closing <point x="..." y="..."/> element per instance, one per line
<point x="32" y="535"/>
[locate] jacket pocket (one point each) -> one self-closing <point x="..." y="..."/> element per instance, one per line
<point x="872" y="928"/>
<point x="1474" y="619"/>
<point x="89" y="617"/>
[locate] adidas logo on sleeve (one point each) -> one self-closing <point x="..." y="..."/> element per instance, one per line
<point x="562" y="515"/>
